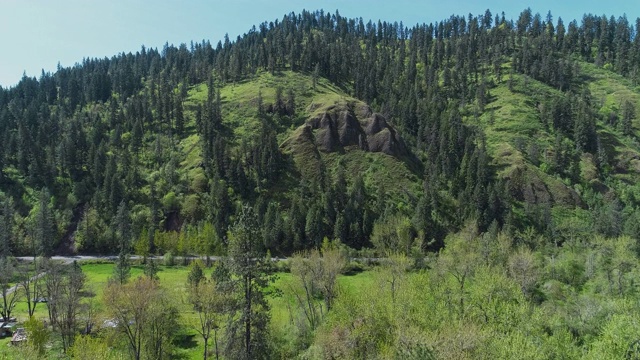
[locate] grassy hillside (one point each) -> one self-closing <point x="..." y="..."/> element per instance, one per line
<point x="522" y="145"/>
<point x="239" y="114"/>
<point x="520" y="142"/>
<point x="492" y="166"/>
<point x="474" y="118"/>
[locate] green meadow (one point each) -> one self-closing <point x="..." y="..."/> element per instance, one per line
<point x="284" y="306"/>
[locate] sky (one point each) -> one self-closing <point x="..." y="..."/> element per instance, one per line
<point x="36" y="35"/>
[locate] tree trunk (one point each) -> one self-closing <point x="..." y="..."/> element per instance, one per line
<point x="247" y="324"/>
<point x="139" y="344"/>
<point x="215" y="341"/>
<point x="206" y="347"/>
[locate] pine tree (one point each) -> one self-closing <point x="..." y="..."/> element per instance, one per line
<point x="122" y="227"/>
<point x="602" y="159"/>
<point x="279" y="106"/>
<point x="151" y="269"/>
<point x="315" y="75"/>
<point x="6" y="229"/>
<point x="179" y="118"/>
<point x="219" y="207"/>
<point x="291" y="102"/>
<point x="313" y="227"/>
<point x="628" y="115"/>
<point x="195" y="274"/>
<point x="584" y="130"/>
<point x="44" y="232"/>
<point x="297" y="224"/>
<point x="122" y="270"/>
<point x="247" y="330"/>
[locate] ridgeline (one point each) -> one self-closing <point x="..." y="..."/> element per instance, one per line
<point x="328" y="126"/>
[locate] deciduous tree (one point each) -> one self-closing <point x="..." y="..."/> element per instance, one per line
<point x="144" y="315"/>
<point x="9" y="293"/>
<point x="208" y="301"/>
<point x="64" y="292"/>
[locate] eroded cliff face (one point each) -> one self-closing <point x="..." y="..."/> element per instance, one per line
<point x="347" y="126"/>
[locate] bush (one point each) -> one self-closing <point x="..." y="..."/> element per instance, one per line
<point x="191" y="208"/>
<point x="354" y="267"/>
<point x="169" y="259"/>
<point x="282" y="266"/>
<point x="170" y="201"/>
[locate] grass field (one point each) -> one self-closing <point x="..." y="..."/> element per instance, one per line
<point x="283" y="305"/>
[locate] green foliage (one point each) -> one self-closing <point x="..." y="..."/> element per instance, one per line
<point x="170" y="201"/>
<point x="395" y="234"/>
<point x="209" y="300"/>
<point x="250" y="275"/>
<point x="37" y="335"/>
<point x="122" y="270"/>
<point x="43" y="233"/>
<point x="7" y="236"/>
<point x="146" y="317"/>
<point x="90" y="234"/>
<point x="316" y="273"/>
<point x="10" y="298"/>
<point x="346" y="334"/>
<point x="141" y="246"/>
<point x="393" y="271"/>
<point x="195" y="273"/>
<point x="169" y="259"/>
<point x="164" y="136"/>
<point x="88" y="347"/>
<point x="516" y="196"/>
<point x="151" y="269"/>
<point x="618" y="339"/>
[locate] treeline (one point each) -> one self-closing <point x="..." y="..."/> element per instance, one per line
<point x="105" y="132"/>
<point x="484" y="295"/>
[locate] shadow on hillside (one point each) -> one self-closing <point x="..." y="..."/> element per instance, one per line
<point x="610" y="143"/>
<point x="186" y="341"/>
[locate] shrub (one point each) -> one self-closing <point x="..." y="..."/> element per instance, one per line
<point x="169" y="259"/>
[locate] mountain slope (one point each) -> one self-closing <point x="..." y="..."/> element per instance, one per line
<point x="329" y="126"/>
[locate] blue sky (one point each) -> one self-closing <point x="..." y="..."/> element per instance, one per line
<point x="37" y="34"/>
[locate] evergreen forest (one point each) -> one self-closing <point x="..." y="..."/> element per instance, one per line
<point x="342" y="189"/>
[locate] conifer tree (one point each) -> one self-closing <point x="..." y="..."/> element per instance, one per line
<point x="179" y="118"/>
<point x="6" y="228"/>
<point x="247" y="329"/>
<point x="44" y="233"/>
<point x="628" y="115"/>
<point x="122" y="269"/>
<point x="151" y="269"/>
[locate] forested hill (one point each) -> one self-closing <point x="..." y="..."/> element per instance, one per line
<point x="331" y="127"/>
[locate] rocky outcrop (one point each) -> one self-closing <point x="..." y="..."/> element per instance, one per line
<point x="339" y="128"/>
